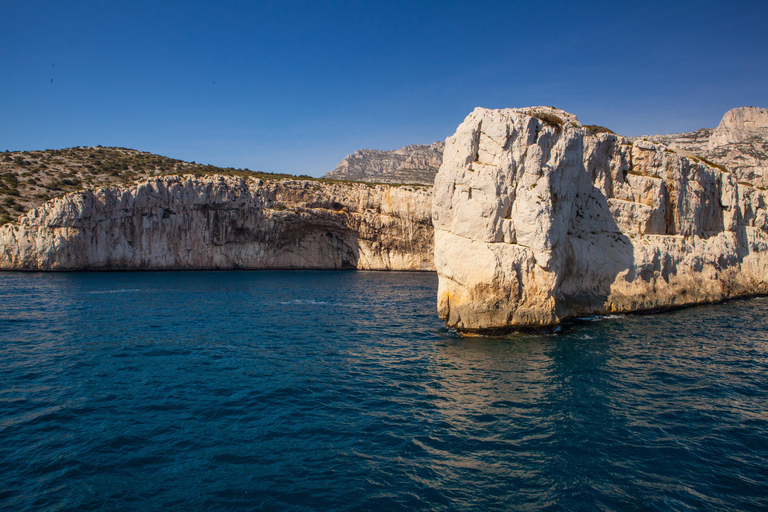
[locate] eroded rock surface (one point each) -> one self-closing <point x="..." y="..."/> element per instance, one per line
<point x="409" y="164"/>
<point x="185" y="222"/>
<point x="538" y="220"/>
<point x="739" y="143"/>
<point x="738" y="125"/>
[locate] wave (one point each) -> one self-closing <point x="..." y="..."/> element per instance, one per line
<point x="598" y="318"/>
<point x="304" y="302"/>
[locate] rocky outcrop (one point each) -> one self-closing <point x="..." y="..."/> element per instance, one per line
<point x="686" y="144"/>
<point x="739" y="143"/>
<point x="538" y="220"/>
<point x="187" y="222"/>
<point x="410" y="164"/>
<point x="738" y="125"/>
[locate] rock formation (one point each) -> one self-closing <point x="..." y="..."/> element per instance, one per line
<point x="537" y="219"/>
<point x="739" y="143"/>
<point x="186" y="222"/>
<point x="738" y="125"/>
<point x="410" y="164"/>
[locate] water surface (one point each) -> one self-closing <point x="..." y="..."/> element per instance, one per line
<point x="343" y="391"/>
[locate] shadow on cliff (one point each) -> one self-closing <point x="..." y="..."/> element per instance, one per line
<point x="606" y="271"/>
<point x="315" y="243"/>
<point x="593" y="259"/>
<point x="282" y="239"/>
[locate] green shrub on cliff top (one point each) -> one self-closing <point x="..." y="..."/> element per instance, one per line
<point x="550" y="119"/>
<point x="594" y="129"/>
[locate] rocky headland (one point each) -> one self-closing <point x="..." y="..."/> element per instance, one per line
<point x="539" y="219"/>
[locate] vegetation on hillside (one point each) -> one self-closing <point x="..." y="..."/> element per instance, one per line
<point x="594" y="129"/>
<point x="30" y="178"/>
<point x="548" y="118"/>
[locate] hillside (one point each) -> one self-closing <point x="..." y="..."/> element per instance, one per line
<point x="30" y="178"/>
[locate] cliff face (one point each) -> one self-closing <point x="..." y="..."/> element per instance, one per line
<point x="410" y="164"/>
<point x="537" y="220"/>
<point x="222" y="222"/>
<point x="738" y="125"/>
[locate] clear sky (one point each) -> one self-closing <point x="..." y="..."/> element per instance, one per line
<point x="290" y="86"/>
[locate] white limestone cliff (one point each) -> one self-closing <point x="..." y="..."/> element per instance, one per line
<point x="537" y="220"/>
<point x="225" y="222"/>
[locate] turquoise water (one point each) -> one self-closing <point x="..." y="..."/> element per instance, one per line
<point x="343" y="391"/>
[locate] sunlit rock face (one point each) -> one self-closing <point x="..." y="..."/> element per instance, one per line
<point x="739" y="143"/>
<point x="409" y="164"/>
<point x="738" y="125"/>
<point x="537" y="219"/>
<point x="226" y="222"/>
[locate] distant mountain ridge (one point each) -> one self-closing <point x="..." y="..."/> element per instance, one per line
<point x="739" y="143"/>
<point x="416" y="163"/>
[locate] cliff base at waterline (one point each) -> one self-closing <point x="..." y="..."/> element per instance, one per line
<point x="224" y="222"/>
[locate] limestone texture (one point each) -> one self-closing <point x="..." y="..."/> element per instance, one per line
<point x="409" y="164"/>
<point x="739" y="124"/>
<point x="218" y="222"/>
<point x="739" y="143"/>
<point x="538" y="220"/>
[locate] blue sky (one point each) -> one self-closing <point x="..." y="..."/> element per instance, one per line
<point x="295" y="86"/>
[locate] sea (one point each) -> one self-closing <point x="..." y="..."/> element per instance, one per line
<point x="343" y="391"/>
